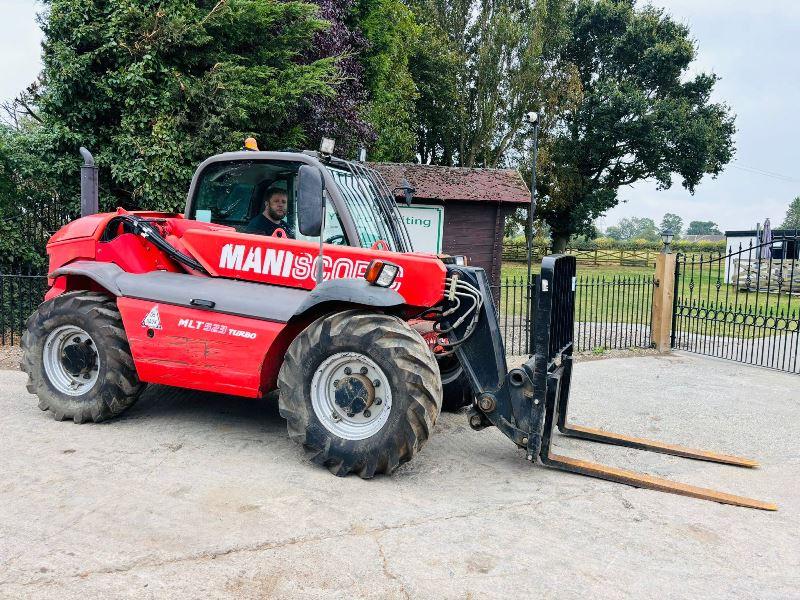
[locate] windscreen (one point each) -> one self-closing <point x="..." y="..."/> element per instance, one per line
<point x="371" y="205"/>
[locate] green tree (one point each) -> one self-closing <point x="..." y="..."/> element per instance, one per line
<point x="792" y="220"/>
<point x="23" y="227"/>
<point x="673" y="223"/>
<point x="634" y="228"/>
<point x="638" y="114"/>
<point x="481" y="65"/>
<point x="391" y="30"/>
<point x="703" y="228"/>
<point x="153" y="87"/>
<point x="433" y="65"/>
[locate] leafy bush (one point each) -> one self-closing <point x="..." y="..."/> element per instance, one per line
<point x="152" y="89"/>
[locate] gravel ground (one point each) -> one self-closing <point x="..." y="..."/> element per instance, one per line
<point x="10" y="357"/>
<point x="777" y="352"/>
<point x="587" y="355"/>
<point x="194" y="495"/>
<point x="588" y="335"/>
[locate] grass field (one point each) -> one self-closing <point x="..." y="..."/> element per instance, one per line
<point x="519" y="270"/>
<point x="605" y="293"/>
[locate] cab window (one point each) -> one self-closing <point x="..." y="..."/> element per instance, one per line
<point x="235" y="193"/>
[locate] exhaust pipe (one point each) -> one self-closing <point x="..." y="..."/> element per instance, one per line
<point x="90" y="203"/>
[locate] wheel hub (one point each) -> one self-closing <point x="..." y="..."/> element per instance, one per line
<point x="354" y="394"/>
<point x="351" y="395"/>
<point x="79" y="358"/>
<point x="70" y="360"/>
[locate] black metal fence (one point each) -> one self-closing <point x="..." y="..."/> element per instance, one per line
<point x="20" y="294"/>
<point x="610" y="312"/>
<point x="36" y="223"/>
<point x="743" y="305"/>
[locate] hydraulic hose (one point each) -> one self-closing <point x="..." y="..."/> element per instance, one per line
<point x="145" y="229"/>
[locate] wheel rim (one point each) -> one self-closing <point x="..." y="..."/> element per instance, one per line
<point x="70" y="360"/>
<point x="351" y="395"/>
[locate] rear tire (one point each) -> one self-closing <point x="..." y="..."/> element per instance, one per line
<point x="78" y="360"/>
<point x="456" y="390"/>
<point x="329" y="419"/>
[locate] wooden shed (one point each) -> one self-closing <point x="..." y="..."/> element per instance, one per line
<point x="471" y="203"/>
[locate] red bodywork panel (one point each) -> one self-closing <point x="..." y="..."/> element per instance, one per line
<point x="212" y="351"/>
<point x="80" y="240"/>
<point x="291" y="263"/>
<point x="200" y="350"/>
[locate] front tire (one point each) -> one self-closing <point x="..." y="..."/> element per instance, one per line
<point x="360" y="391"/>
<point x="78" y="360"/>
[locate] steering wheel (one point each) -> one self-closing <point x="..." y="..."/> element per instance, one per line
<point x="335" y="239"/>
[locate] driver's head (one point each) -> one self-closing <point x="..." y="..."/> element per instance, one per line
<point x="275" y="204"/>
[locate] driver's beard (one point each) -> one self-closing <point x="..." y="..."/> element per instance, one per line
<point x="273" y="215"/>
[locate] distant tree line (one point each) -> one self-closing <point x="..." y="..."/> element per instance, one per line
<point x="636" y="228"/>
<point x="154" y="87"/>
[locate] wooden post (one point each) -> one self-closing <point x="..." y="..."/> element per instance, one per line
<point x="663" y="298"/>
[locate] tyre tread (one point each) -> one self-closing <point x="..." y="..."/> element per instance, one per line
<point x="121" y="386"/>
<point x="410" y="357"/>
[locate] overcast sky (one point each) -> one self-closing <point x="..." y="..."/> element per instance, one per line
<point x="753" y="46"/>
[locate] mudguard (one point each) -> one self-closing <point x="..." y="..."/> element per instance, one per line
<point x="229" y="296"/>
<point x="350" y="291"/>
<point x="103" y="274"/>
<point x="242" y="298"/>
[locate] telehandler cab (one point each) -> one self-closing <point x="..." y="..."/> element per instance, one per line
<point x="330" y="318"/>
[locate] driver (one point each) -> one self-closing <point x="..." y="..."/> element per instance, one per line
<point x="274" y="216"/>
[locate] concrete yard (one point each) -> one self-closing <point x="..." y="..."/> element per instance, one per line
<point x="199" y="496"/>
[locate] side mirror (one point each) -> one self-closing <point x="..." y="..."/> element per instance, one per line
<point x="310" y="201"/>
<point x="408" y="191"/>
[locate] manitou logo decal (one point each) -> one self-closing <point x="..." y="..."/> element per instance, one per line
<point x="298" y="266"/>
<point x="153" y="319"/>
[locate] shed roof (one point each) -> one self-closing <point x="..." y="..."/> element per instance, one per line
<point x="434" y="182"/>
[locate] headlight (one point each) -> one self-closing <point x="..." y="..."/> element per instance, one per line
<point x="459" y="260"/>
<point x="381" y="273"/>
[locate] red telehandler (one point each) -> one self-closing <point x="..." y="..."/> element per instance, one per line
<point x="325" y="316"/>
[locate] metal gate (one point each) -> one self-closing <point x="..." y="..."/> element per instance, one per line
<point x="743" y="305"/>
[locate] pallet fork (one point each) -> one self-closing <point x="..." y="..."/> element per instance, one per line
<point x="527" y="404"/>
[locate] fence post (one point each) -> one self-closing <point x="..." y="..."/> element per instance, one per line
<point x="663" y="298"/>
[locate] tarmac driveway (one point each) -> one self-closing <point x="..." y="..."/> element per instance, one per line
<point x="202" y="496"/>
